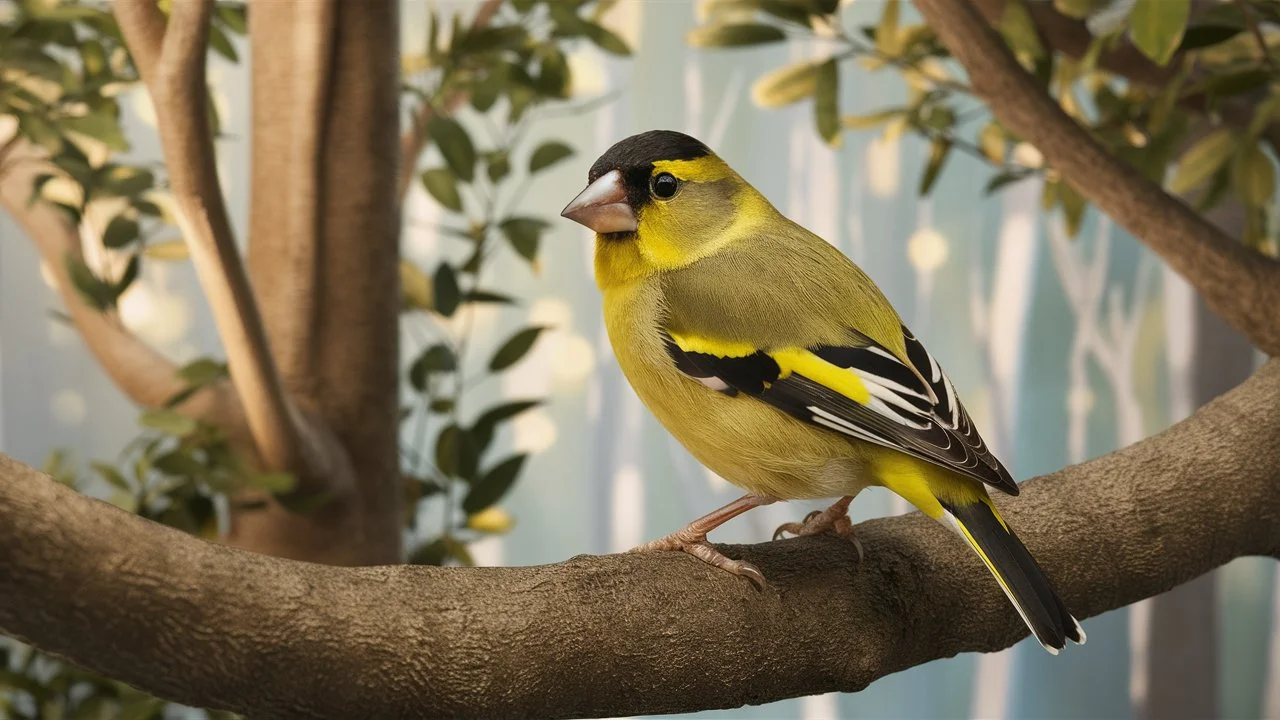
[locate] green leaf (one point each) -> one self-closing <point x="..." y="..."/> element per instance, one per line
<point x="222" y="44"/>
<point x="548" y="153"/>
<point x="1156" y="27"/>
<point x="1073" y="207"/>
<point x="167" y="250"/>
<point x="790" y="10"/>
<point x="120" y="232"/>
<point x="127" y="277"/>
<point x="112" y="476"/>
<point x="235" y="17"/>
<point x="484" y="296"/>
<point x="735" y="35"/>
<point x="1203" y="36"/>
<point x="1252" y="176"/>
<point x="180" y="463"/>
<point x="499" y="165"/>
<point x="483" y="428"/>
<point x="455" y="453"/>
<point x="92" y="290"/>
<point x="442" y="185"/>
<point x="992" y="142"/>
<point x="514" y="349"/>
<point x="437" y="358"/>
<point x="605" y="39"/>
<point x="446" y="290"/>
<point x="274" y="482"/>
<point x="203" y="371"/>
<point x="493" y="485"/>
<point x="826" y="103"/>
<point x="1237" y="83"/>
<point x="458" y="551"/>
<point x="887" y="29"/>
<point x="523" y="233"/>
<point x="1202" y="160"/>
<point x="489" y="39"/>
<point x="432" y="553"/>
<point x="168" y="422"/>
<point x="122" y="181"/>
<point x="786" y="85"/>
<point x="1078" y="9"/>
<point x="1002" y="179"/>
<point x="1019" y="30"/>
<point x="1264" y="114"/>
<point x="455" y="145"/>
<point x="872" y="120"/>
<point x="939" y="148"/>
<point x="553" y="75"/>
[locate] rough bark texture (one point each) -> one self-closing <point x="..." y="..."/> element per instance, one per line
<point x="601" y="636"/>
<point x="1234" y="280"/>
<point x="323" y="255"/>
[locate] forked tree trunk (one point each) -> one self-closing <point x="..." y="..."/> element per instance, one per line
<point x="324" y="229"/>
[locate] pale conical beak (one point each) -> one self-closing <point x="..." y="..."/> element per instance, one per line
<point x="603" y="206"/>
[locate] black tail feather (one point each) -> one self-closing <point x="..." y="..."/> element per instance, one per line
<point x="1019" y="574"/>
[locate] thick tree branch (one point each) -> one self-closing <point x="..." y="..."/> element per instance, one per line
<point x="1234" y="280"/>
<point x="622" y="634"/>
<point x="414" y="140"/>
<point x="171" y="61"/>
<point x="142" y="374"/>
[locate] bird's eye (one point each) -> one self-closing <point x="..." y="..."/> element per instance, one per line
<point x="665" y="185"/>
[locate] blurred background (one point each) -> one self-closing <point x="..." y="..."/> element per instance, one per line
<point x="1063" y="349"/>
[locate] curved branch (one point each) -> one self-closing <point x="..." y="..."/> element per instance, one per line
<point x="1234" y="280"/>
<point x="171" y="61"/>
<point x="414" y="139"/>
<point x="621" y="634"/>
<point x="142" y="374"/>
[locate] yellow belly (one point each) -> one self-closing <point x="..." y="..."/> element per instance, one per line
<point x="745" y="441"/>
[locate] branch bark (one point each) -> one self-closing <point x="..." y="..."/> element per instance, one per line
<point x="171" y="61"/>
<point x="622" y="634"/>
<point x="1234" y="280"/>
<point x="142" y="374"/>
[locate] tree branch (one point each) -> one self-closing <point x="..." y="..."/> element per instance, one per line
<point x="171" y="61"/>
<point x="1234" y="280"/>
<point x="621" y="634"/>
<point x="414" y="139"/>
<point x="142" y="374"/>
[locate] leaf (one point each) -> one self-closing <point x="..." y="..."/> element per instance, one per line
<point x="1002" y="179"/>
<point x="826" y="103"/>
<point x="455" y="145"/>
<point x="1264" y="114"/>
<point x="1073" y="207"/>
<point x="484" y="296"/>
<point x="498" y="166"/>
<point x="458" y="551"/>
<point x="437" y="358"/>
<point x="1078" y="9"/>
<point x="515" y="348"/>
<point x="168" y="250"/>
<point x="446" y="290"/>
<point x="415" y="287"/>
<point x="222" y="44"/>
<point x="442" y="185"/>
<point x="489" y="39"/>
<point x="887" y="29"/>
<point x="1202" y="160"/>
<point x="179" y="463"/>
<point x="866" y="122"/>
<point x="120" y="232"/>
<point x="523" y="233"/>
<point x="1156" y="27"/>
<point x="455" y="453"/>
<point x="123" y="181"/>
<point x="606" y="39"/>
<point x="1252" y="176"/>
<point x="493" y="485"/>
<point x="992" y="142"/>
<point x="789" y="10"/>
<point x="127" y="277"/>
<point x="786" y="85"/>
<point x="491" y="520"/>
<point x="92" y="290"/>
<point x="432" y="553"/>
<point x="274" y="482"/>
<point x="1237" y="83"/>
<point x="203" y="371"/>
<point x="1203" y="36"/>
<point x="112" y="476"/>
<point x="1019" y="30"/>
<point x="101" y="126"/>
<point x="548" y="154"/>
<point x="235" y="17"/>
<point x="483" y="428"/>
<point x="168" y="422"/>
<point x="553" y="75"/>
<point x="735" y="35"/>
<point x="939" y="148"/>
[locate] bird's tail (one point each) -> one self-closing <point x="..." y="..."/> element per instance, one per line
<point x="1017" y="572"/>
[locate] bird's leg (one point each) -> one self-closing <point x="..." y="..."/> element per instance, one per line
<point x="693" y="539"/>
<point x="833" y="519"/>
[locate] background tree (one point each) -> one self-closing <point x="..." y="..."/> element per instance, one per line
<point x="569" y="639"/>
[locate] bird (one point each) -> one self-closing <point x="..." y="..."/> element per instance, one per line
<point x="781" y="366"/>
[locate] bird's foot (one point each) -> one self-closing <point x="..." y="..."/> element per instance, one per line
<point x="834" y="519"/>
<point x="695" y="543"/>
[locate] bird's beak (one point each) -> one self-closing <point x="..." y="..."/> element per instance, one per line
<point x="603" y="206"/>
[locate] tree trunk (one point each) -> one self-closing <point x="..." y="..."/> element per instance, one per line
<point x="324" y="229"/>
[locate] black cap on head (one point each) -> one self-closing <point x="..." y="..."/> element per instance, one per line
<point x="644" y="149"/>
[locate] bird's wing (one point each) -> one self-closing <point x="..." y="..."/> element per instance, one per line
<point x="859" y="389"/>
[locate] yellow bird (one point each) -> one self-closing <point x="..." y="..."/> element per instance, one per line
<point x="781" y="366"/>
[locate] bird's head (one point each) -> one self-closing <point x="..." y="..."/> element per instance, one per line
<point x="667" y="195"/>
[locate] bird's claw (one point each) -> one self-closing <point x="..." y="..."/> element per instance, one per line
<point x="834" y="519"/>
<point x="697" y="546"/>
